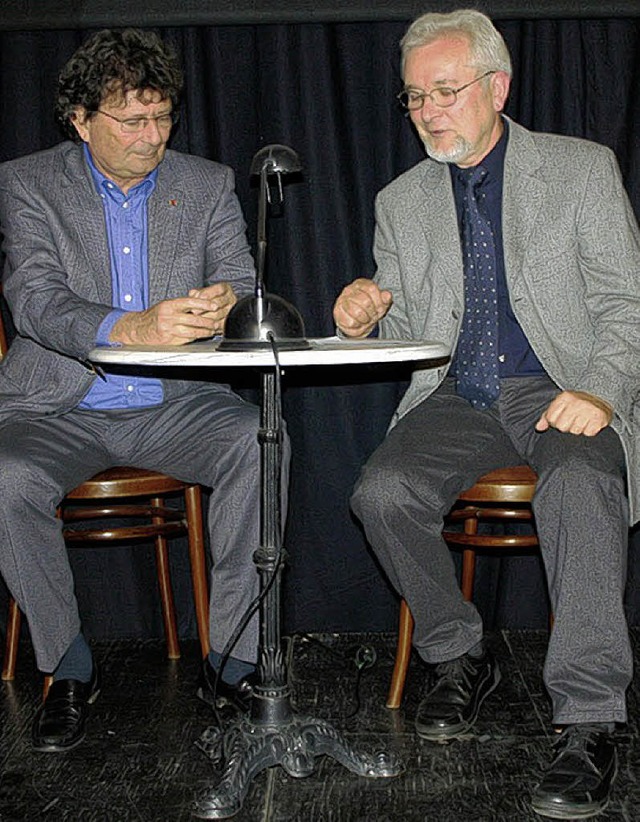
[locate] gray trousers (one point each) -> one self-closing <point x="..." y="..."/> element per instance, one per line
<point x="208" y="436"/>
<point x="581" y="510"/>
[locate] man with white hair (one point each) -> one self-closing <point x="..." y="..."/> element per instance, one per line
<point x="522" y="252"/>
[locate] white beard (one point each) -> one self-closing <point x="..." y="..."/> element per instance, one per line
<point x="459" y="151"/>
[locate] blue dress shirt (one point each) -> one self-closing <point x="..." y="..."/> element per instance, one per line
<point x="127" y="231"/>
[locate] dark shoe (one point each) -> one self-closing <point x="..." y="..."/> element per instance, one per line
<point x="578" y="782"/>
<point x="59" y="724"/>
<point x="238" y="696"/>
<point x="455" y="690"/>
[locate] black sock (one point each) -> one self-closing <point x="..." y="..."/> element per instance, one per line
<point x="77" y="662"/>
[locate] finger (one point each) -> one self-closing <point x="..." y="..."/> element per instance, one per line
<point x="542" y="424"/>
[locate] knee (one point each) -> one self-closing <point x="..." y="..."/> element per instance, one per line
<point x="22" y="480"/>
<point x="384" y="486"/>
<point x="582" y="472"/>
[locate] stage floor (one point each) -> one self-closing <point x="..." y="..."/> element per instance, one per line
<point x="140" y="762"/>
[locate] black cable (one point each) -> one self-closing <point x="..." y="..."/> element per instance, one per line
<point x="365" y="657"/>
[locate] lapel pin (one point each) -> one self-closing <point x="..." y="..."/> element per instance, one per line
<point x="173" y="202"/>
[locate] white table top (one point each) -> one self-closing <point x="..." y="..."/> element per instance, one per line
<point x="322" y="351"/>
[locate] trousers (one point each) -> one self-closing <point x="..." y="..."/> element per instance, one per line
<point x="209" y="436"/>
<point x="440" y="448"/>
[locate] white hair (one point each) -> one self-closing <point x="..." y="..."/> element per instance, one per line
<point x="487" y="48"/>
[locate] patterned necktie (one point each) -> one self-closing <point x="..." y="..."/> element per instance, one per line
<point x="477" y="355"/>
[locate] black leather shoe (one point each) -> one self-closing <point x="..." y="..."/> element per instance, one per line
<point x="238" y="696"/>
<point x="578" y="782"/>
<point x="60" y="722"/>
<point x="454" y="692"/>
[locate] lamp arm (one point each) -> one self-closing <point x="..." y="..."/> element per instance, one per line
<point x="262" y="231"/>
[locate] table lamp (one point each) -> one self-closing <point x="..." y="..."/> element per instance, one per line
<point x="262" y="320"/>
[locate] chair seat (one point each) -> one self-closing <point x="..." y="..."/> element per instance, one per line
<point x="514" y="484"/>
<point x="124" y="481"/>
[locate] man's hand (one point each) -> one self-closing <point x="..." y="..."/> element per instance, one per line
<point x="178" y="321"/>
<point x="360" y="306"/>
<point x="222" y="298"/>
<point x="576" y="412"/>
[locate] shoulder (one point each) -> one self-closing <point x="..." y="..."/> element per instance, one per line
<point x="408" y="192"/>
<point x="556" y="149"/>
<point x="426" y="172"/>
<point x="42" y="164"/>
<point x="195" y="171"/>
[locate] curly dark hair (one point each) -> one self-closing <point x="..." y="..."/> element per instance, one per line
<point x="115" y="62"/>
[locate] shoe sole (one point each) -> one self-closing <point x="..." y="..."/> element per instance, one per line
<point x="551" y="811"/>
<point x="463" y="729"/>
<point x="554" y="812"/>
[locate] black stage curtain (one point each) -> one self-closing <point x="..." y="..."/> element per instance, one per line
<point x="328" y="91"/>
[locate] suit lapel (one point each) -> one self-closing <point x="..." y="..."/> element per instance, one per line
<point x="166" y="211"/>
<point x="84" y="211"/>
<point x="522" y="200"/>
<point x="437" y="214"/>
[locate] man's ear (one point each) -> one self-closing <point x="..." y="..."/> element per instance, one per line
<point x="79" y="121"/>
<point x="500" y="83"/>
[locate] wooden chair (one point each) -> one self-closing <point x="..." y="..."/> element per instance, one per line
<point x="136" y="498"/>
<point x="503" y="495"/>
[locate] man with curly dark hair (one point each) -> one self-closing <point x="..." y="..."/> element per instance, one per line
<point x="113" y="238"/>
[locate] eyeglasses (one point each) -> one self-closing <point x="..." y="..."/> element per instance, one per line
<point x="442" y="96"/>
<point x="134" y="125"/>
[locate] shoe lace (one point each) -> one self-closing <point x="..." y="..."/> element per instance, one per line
<point x="456" y="672"/>
<point x="578" y="740"/>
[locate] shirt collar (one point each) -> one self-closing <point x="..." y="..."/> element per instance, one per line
<point x="494" y="161"/>
<point x="104" y="185"/>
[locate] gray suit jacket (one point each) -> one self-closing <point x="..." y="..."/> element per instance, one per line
<point x="572" y="259"/>
<point x="57" y="278"/>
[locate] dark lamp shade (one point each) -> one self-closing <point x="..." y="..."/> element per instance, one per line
<point x="253" y="319"/>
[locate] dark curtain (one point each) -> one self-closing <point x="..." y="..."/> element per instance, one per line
<point x="328" y="91"/>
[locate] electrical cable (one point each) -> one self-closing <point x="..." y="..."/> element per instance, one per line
<point x="365" y="657"/>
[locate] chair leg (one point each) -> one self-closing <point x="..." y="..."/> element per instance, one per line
<point x="166" y="592"/>
<point x="193" y="506"/>
<point x="469" y="560"/>
<point x="403" y="654"/>
<point x="11" y="650"/>
<point x="12" y="641"/>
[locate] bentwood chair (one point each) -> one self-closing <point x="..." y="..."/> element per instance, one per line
<point x="503" y="495"/>
<point x="129" y="505"/>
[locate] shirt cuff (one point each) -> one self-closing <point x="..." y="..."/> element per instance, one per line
<point x="106" y="326"/>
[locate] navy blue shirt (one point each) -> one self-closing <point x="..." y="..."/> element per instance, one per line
<point x="516" y="357"/>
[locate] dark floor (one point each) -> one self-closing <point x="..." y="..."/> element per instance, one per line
<point x="140" y="762"/>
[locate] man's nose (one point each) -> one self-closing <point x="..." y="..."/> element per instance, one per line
<point x="428" y="108"/>
<point x="152" y="132"/>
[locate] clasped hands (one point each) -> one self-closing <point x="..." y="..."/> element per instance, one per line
<point x="180" y="320"/>
<point x="362" y="304"/>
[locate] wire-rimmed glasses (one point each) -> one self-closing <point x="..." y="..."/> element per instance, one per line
<point x="412" y="99"/>
<point x="135" y="125"/>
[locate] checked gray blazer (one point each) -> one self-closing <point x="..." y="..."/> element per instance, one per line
<point x="58" y="285"/>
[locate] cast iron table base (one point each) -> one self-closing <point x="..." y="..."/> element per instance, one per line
<point x="273" y="734"/>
